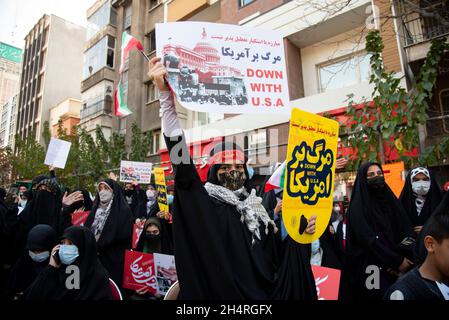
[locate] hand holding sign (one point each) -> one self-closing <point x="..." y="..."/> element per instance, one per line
<point x="157" y="72"/>
<point x="57" y="153"/>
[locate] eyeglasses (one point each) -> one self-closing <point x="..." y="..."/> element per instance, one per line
<point x="373" y="174"/>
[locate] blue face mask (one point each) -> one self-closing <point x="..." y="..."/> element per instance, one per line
<point x="68" y="253"/>
<point x="170" y="198"/>
<point x="315" y="246"/>
<point x="250" y="171"/>
<point x="39" y="257"/>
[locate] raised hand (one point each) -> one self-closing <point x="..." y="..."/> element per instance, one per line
<point x="157" y="72"/>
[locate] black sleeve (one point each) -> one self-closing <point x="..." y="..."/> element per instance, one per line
<point x="65" y="220"/>
<point x="184" y="169"/>
<point x="44" y="286"/>
<point x="370" y="241"/>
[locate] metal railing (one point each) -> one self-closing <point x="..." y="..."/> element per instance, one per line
<point x="423" y="20"/>
<point x="95" y="109"/>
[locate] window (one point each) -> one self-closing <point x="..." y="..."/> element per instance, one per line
<point x="257" y="143"/>
<point x="128" y="18"/>
<point x="345" y="72"/>
<point x="152" y="93"/>
<point x="97" y="100"/>
<point x="151" y="41"/>
<point x="245" y="2"/>
<point x="110" y="52"/>
<point x="154" y="144"/>
<point x="99" y="56"/>
<point x="153" y="3"/>
<point x="102" y="17"/>
<point x="438" y="123"/>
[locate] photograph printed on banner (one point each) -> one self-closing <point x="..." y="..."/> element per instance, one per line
<point x="224" y="68"/>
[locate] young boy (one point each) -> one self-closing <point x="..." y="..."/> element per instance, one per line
<point x="430" y="281"/>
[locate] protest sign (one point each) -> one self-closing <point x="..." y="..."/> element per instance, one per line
<point x="155" y="271"/>
<point x="132" y="170"/>
<point x="161" y="187"/>
<point x="309" y="174"/>
<point x="327" y="282"/>
<point x="79" y="218"/>
<point x="165" y="272"/>
<point x="394" y="176"/>
<point x="57" y="153"/>
<point x="139" y="271"/>
<point x="224" y="68"/>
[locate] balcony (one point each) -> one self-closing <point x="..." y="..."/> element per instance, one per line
<point x="304" y="24"/>
<point x="421" y="22"/>
<point x="93" y="110"/>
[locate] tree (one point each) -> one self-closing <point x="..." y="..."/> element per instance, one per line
<point x="5" y="167"/>
<point x="28" y="161"/>
<point x="388" y="121"/>
<point x="140" y="144"/>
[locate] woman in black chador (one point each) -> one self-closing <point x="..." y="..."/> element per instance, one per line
<point x="77" y="249"/>
<point x="223" y="237"/>
<point x="378" y="236"/>
<point x="420" y="197"/>
<point x="111" y="222"/>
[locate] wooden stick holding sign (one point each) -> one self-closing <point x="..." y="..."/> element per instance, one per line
<point x="161" y="187"/>
<point x="309" y="175"/>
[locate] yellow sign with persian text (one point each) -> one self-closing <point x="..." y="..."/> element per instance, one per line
<point x="161" y="188"/>
<point x="310" y="174"/>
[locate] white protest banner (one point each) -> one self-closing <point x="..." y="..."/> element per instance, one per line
<point x="132" y="170"/>
<point x="57" y="153"/>
<point x="165" y="272"/>
<point x="224" y="68"/>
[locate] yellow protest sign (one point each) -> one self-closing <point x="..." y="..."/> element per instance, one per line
<point x="161" y="187"/>
<point x="309" y="174"/>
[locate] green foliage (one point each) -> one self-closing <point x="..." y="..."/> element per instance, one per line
<point x="91" y="156"/>
<point x="140" y="144"/>
<point x="388" y="121"/>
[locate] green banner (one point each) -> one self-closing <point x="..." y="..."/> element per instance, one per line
<point x="10" y="53"/>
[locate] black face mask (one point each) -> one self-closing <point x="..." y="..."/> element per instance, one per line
<point x="152" y="237"/>
<point x="376" y="183"/>
<point x="76" y="205"/>
<point x="232" y="180"/>
<point x="129" y="192"/>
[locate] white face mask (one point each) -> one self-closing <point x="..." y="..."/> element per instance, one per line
<point x="421" y="188"/>
<point x="39" y="257"/>
<point x="105" y="196"/>
<point x="150" y="195"/>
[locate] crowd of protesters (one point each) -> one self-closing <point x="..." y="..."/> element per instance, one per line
<point x="229" y="242"/>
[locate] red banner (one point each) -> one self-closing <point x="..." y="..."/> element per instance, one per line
<point x="79" y="218"/>
<point x="327" y="281"/>
<point x="139" y="271"/>
<point x="137" y="231"/>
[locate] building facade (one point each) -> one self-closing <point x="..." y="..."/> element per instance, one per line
<point x="68" y="113"/>
<point x="8" y="114"/>
<point x="51" y="72"/>
<point x="326" y="60"/>
<point x="10" y="61"/>
<point x="99" y="69"/>
<point x="418" y="23"/>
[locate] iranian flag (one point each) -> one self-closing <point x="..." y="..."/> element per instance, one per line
<point x="128" y="43"/>
<point x="277" y="178"/>
<point x="120" y="107"/>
